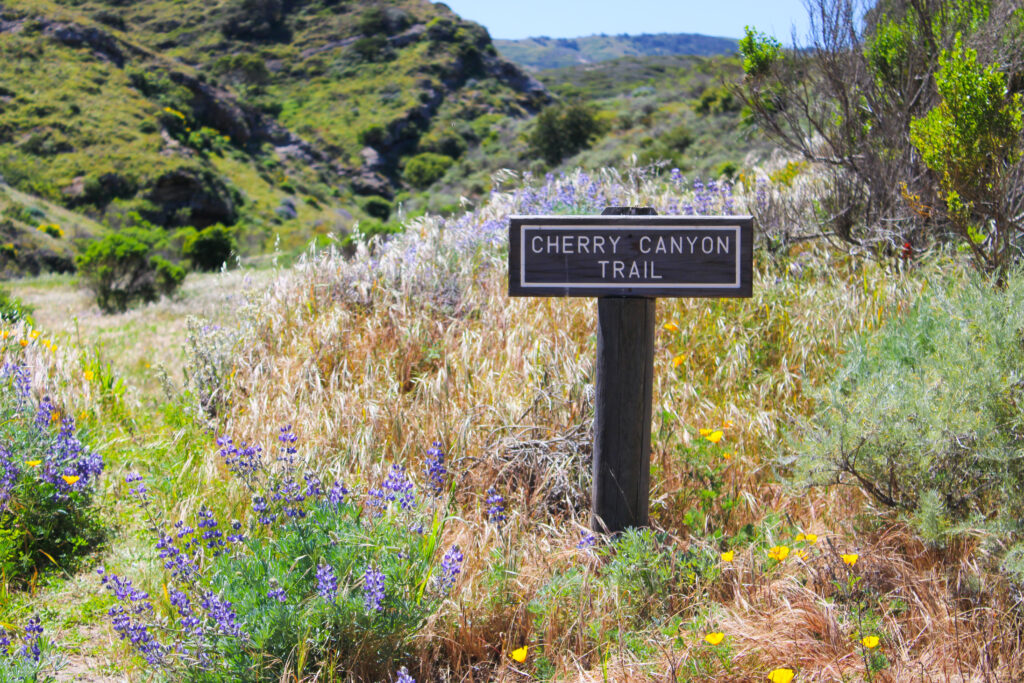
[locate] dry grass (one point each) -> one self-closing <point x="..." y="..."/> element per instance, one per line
<point x="372" y="358"/>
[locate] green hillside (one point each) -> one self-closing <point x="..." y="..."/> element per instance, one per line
<point x="551" y="53"/>
<point x="282" y="119"/>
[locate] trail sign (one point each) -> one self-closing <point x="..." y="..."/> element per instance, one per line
<point x="641" y="256"/>
<point x="627" y="257"/>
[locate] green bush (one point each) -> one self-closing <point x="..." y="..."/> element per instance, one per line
<point x="424" y="169"/>
<point x="210" y="248"/>
<point x="972" y="141"/>
<point x="47" y="481"/>
<point x="926" y="414"/>
<point x="377" y="207"/>
<point x="121" y="269"/>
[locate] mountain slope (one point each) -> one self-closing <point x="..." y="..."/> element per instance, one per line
<point x="551" y="53"/>
<point x="277" y="117"/>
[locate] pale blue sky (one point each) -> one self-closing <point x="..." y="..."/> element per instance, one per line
<point x="573" y="18"/>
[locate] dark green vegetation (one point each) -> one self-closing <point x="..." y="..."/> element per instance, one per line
<point x="551" y="53"/>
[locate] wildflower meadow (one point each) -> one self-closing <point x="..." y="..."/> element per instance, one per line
<point x="375" y="465"/>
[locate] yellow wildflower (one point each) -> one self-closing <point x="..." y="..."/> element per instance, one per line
<point x="520" y="654"/>
<point x="89" y="375"/>
<point x="727" y="455"/>
<point x="799" y="537"/>
<point x="714" y="638"/>
<point x="671" y="327"/>
<point x="811" y="538"/>
<point x="800" y="554"/>
<point x="704" y="432"/>
<point x="727" y="424"/>
<point x="55" y="416"/>
<point x="5" y="334"/>
<point x="728" y="555"/>
<point x="678" y="360"/>
<point x="715" y="436"/>
<point x="850" y="559"/>
<point x="779" y="552"/>
<point x="33" y="463"/>
<point x="781" y="676"/>
<point x="23" y="342"/>
<point x="870" y="642"/>
<point x="70" y="478"/>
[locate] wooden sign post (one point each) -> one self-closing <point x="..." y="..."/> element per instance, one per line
<point x="627" y="257"/>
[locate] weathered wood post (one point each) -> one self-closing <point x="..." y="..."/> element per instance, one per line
<point x="627" y="257"/>
<point x="624" y="378"/>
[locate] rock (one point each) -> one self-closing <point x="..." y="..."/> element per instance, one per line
<point x="76" y="189"/>
<point x="286" y="209"/>
<point x="368" y="182"/>
<point x="371" y="158"/>
<point x="203" y="196"/>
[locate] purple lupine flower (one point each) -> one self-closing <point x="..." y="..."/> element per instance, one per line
<point x="242" y="460"/>
<point x="238" y="536"/>
<point x="9" y="473"/>
<point x="676" y="177"/>
<point x="180" y="601"/>
<point x="222" y="614"/>
<point x="212" y="536"/>
<point x="404" y="677"/>
<point x="136" y="633"/>
<point x="5" y="644"/>
<point x="22" y="381"/>
<point x="396" y="486"/>
<point x="287" y="439"/>
<point x="276" y="592"/>
<point x="140" y="491"/>
<point x="33" y="630"/>
<point x="336" y="494"/>
<point x="436" y="471"/>
<point x="451" y="566"/>
<point x="373" y="590"/>
<point x="326" y="582"/>
<point x="495" y="507"/>
<point x="44" y="413"/>
<point x="314" y="489"/>
<point x="587" y="540"/>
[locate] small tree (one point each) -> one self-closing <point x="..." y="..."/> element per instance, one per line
<point x="119" y="269"/>
<point x="563" y="130"/>
<point x="972" y="141"/>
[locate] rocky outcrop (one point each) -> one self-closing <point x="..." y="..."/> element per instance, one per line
<point x="187" y="196"/>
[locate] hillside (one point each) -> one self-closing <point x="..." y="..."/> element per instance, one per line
<point x="280" y="119"/>
<point x="537" y="54"/>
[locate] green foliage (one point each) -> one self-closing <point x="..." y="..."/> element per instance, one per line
<point x="210" y="248"/>
<point x="121" y="269"/>
<point x="760" y="52"/>
<point x="425" y="169"/>
<point x="972" y="140"/>
<point x="254" y="20"/>
<point x="248" y="70"/>
<point x="47" y="480"/>
<point x="926" y="414"/>
<point x="563" y="130"/>
<point x="14" y="310"/>
<point x="377" y="207"/>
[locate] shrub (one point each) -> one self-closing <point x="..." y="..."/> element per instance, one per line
<point x="424" y="169"/>
<point x="316" y="567"/>
<point x="377" y="207"/>
<point x="210" y="248"/>
<point x="47" y="481"/>
<point x="972" y="141"/>
<point x="120" y="270"/>
<point x="926" y="417"/>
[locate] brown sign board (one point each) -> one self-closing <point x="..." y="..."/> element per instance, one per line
<point x="635" y="256"/>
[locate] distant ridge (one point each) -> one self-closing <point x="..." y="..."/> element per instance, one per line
<point x="542" y="52"/>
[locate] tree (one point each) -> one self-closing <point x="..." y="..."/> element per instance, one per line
<point x="563" y="130"/>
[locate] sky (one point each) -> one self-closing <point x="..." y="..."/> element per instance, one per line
<point x="512" y="19"/>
